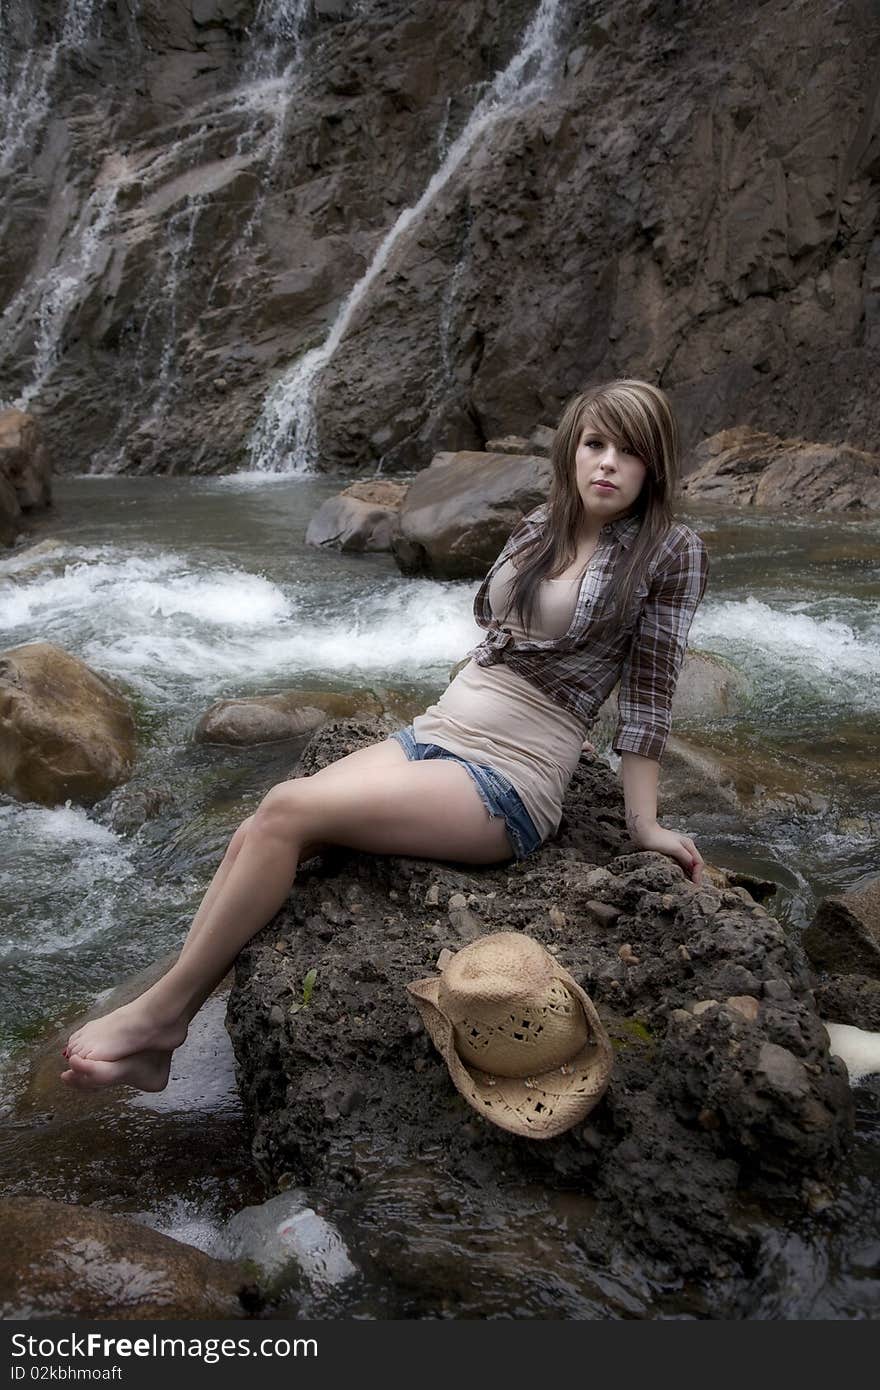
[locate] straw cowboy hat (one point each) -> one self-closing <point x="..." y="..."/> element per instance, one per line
<point x="522" y="1041"/>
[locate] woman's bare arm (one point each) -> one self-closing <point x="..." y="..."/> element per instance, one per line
<point x="640" y="777"/>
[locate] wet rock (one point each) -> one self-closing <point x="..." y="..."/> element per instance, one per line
<point x="363" y="517"/>
<point x="776" y="1108"/>
<point x="63" y="1261"/>
<point x="25" y="472"/>
<point x="292" y="714"/>
<point x="850" y="999"/>
<point x="752" y="468"/>
<point x="456" y="517"/>
<point x="65" y="733"/>
<point x="290" y="1244"/>
<point x="844" y="936"/>
<point x="736" y="781"/>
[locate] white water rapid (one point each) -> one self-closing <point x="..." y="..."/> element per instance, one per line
<point x="285" y="436"/>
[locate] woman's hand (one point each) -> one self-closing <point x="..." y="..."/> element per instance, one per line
<point x="681" y="848"/>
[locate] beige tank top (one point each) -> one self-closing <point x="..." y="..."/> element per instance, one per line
<point x="492" y="716"/>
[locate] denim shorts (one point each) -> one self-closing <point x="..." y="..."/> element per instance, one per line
<point x="499" y="796"/>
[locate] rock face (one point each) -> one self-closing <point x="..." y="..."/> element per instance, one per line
<point x="62" y="1261"/>
<point x="65" y="734"/>
<point x="459" y="512"/>
<point x="364" y="516"/>
<point x="723" y="1086"/>
<point x="24" y="471"/>
<point x="750" y="468"/>
<point x="169" y="251"/>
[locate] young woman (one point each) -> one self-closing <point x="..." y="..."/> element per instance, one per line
<point x="599" y="584"/>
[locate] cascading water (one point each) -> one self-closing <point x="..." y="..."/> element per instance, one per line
<point x="24" y="96"/>
<point x="284" y="439"/>
<point x="174" y="178"/>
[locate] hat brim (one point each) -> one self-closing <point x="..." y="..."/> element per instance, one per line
<point x="540" y="1107"/>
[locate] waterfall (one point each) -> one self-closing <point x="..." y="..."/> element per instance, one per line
<point x="284" y="438"/>
<point x="24" y="97"/>
<point x="35" y="319"/>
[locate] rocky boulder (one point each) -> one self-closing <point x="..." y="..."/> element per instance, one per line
<point x="844" y="936"/>
<point x="723" y="1087"/>
<point x="65" y="732"/>
<point x="459" y="511"/>
<point x="62" y="1261"/>
<point x="362" y="517"/>
<point x="25" y="473"/>
<point x="750" y="468"/>
<point x="270" y="718"/>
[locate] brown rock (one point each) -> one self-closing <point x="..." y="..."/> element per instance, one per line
<point x="24" y="471"/>
<point x="748" y="467"/>
<point x="63" y="1261"/>
<point x="508" y="444"/>
<point x="744" y="1004"/>
<point x="695" y="777"/>
<point x="65" y="733"/>
<point x="291" y="714"/>
<point x="457" y="516"/>
<point x="844" y="936"/>
<point x="363" y="517"/>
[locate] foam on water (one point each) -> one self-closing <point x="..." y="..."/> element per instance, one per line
<point x="160" y="620"/>
<point x="836" y="660"/>
<point x="133" y="589"/>
<point x="59" y="845"/>
<point x="858" y="1049"/>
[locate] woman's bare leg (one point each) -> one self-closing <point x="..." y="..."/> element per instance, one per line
<point x="374" y="800"/>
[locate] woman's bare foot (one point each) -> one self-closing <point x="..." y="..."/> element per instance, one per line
<point x="132" y="1029"/>
<point x="148" y="1071"/>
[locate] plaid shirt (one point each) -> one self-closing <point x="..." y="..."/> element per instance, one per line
<point x="580" y="669"/>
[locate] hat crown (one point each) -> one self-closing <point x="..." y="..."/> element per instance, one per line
<point x="511" y="1012"/>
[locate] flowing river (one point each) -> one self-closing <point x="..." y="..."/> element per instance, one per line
<point x="188" y="591"/>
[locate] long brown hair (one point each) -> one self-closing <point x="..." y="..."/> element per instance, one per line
<point x="637" y="417"/>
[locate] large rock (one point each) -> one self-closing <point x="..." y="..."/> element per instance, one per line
<point x="270" y="718"/>
<point x="63" y="1261"/>
<point x="844" y="936"/>
<point x="723" y="1083"/>
<point x="850" y="999"/>
<point x="25" y="474"/>
<point x="65" y="733"/>
<point x="459" y="512"/>
<point x="362" y="517"/>
<point x="749" y="468"/>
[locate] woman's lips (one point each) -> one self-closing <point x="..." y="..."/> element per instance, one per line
<point x="606" y="487"/>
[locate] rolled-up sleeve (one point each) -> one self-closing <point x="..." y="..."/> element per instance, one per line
<point x="651" y="668"/>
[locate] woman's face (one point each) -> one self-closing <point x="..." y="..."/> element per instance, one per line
<point x="609" y="478"/>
